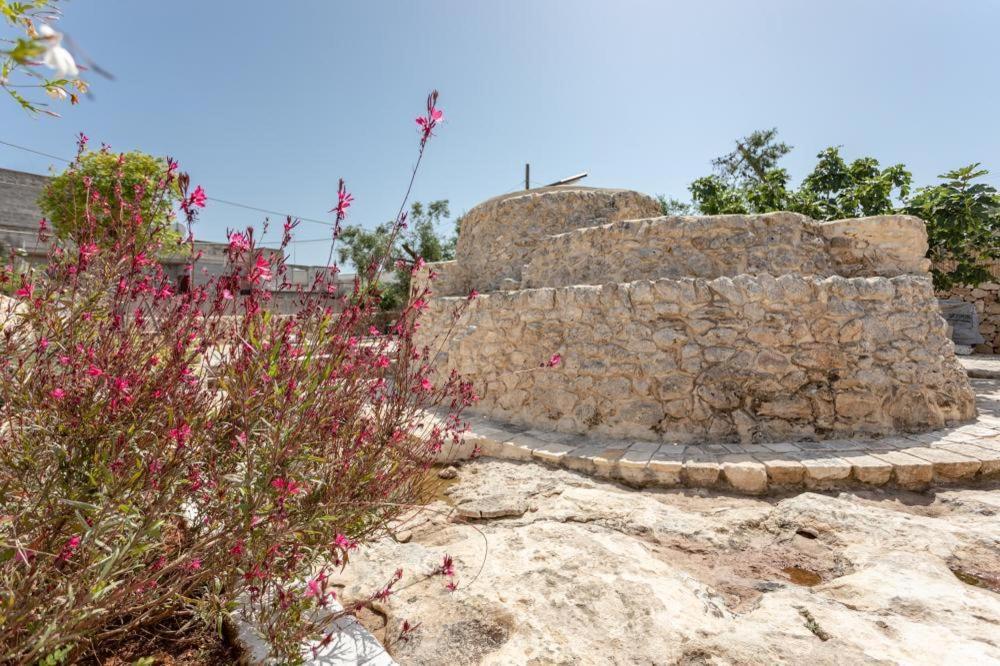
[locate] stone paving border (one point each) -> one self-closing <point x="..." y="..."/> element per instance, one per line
<point x="961" y="454"/>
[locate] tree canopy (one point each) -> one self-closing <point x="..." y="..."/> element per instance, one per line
<point x="963" y="217"/>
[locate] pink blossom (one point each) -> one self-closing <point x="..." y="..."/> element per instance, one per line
<point x="238" y="242"/>
<point x="194" y="564"/>
<point x="473" y="295"/>
<point x="43" y="344"/>
<point x="344" y="200"/>
<point x="425" y="384"/>
<point x="94" y="371"/>
<point x="343" y="542"/>
<point x="180" y="434"/>
<point x="27" y="290"/>
<point x="428" y="122"/>
<point x="58" y="393"/>
<point x="88" y="251"/>
<point x="198" y="197"/>
<point x="261" y="271"/>
<point x="69" y="548"/>
<point x="554" y="361"/>
<point x="227" y="295"/>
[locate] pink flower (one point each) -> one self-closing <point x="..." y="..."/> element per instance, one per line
<point x="343" y="542"/>
<point x="94" y="371"/>
<point x="382" y="361"/>
<point x="88" y="251"/>
<point x="237" y="550"/>
<point x="180" y="434"/>
<point x="554" y="361"/>
<point x="425" y="384"/>
<point x="261" y="271"/>
<point x="238" y="242"/>
<point x="447" y="567"/>
<point x="286" y="487"/>
<point x="428" y="122"/>
<point x="194" y="564"/>
<point x="43" y="344"/>
<point x="344" y="200"/>
<point x="198" y="197"/>
<point x="27" y="290"/>
<point x="69" y="548"/>
<point x="58" y="393"/>
<point x="227" y="295"/>
<point x="473" y="295"/>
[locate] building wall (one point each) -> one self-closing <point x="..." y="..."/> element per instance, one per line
<point x="986" y="298"/>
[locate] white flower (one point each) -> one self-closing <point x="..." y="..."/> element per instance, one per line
<point x="56" y="92"/>
<point x="55" y="56"/>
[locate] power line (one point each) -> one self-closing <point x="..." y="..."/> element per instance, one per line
<point x="215" y="199"/>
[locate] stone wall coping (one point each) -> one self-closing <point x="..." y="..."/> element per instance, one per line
<point x="966" y="453"/>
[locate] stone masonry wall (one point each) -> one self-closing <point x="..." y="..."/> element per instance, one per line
<point x="775" y="243"/>
<point x="986" y="298"/>
<point x="747" y="358"/>
<point x="498" y="235"/>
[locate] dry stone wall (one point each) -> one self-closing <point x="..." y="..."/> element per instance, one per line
<point x="750" y="358"/>
<point x="698" y="329"/>
<point x="775" y="244"/>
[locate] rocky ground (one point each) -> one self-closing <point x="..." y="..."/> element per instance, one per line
<point x="554" y="567"/>
<point x="559" y="568"/>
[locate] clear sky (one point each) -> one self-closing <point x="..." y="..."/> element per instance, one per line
<point x="268" y="103"/>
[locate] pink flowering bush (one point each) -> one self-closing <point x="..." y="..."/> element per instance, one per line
<point x="171" y="454"/>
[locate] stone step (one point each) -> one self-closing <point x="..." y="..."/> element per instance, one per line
<point x="963" y="454"/>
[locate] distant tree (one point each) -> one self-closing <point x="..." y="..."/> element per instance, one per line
<point x="422" y="240"/>
<point x="963" y="226"/>
<point x="82" y="199"/>
<point x="672" y="206"/>
<point x="755" y="155"/>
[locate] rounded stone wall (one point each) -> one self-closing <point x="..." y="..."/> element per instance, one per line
<point x="498" y="235"/>
<point x="718" y="328"/>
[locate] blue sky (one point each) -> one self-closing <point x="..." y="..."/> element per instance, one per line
<point x="269" y="103"/>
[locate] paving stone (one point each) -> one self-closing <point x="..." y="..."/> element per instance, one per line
<point x="666" y="472"/>
<point x="581" y="459"/>
<point x="845" y="444"/>
<point x="551" y="452"/>
<point x="988" y="443"/>
<point x="823" y="470"/>
<point x="606" y="462"/>
<point x="744" y="473"/>
<point x="783" y="447"/>
<point x="989" y="459"/>
<point x="701" y="470"/>
<point x="490" y="446"/>
<point x="633" y="464"/>
<point x="782" y="470"/>
<point x="978" y="430"/>
<point x="519" y="447"/>
<point x="948" y="465"/>
<point x="553" y="436"/>
<point x="908" y="471"/>
<point x="868" y="469"/>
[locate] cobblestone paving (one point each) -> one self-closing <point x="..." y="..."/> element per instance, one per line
<point x="965" y="454"/>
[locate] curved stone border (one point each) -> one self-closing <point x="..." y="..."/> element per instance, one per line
<point x="966" y="453"/>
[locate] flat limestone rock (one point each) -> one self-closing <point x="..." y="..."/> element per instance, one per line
<point x="491" y="506"/>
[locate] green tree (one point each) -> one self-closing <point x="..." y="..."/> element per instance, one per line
<point x="70" y="204"/>
<point x="422" y="240"/>
<point x="755" y="155"/>
<point x="963" y="226"/>
<point x="837" y="190"/>
<point x="961" y="215"/>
